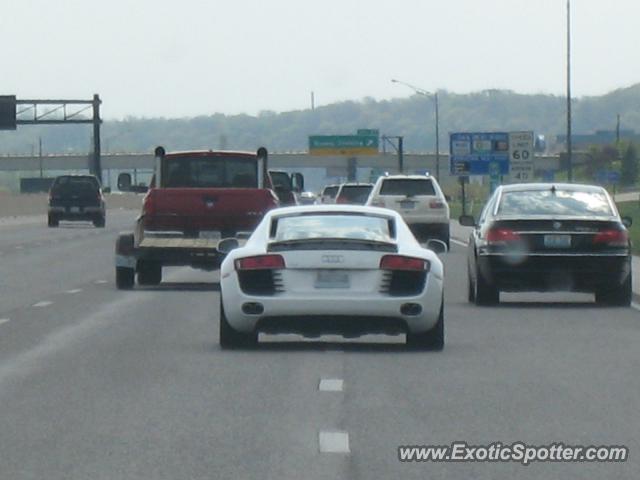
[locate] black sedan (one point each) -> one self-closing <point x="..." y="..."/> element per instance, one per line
<point x="549" y="237"/>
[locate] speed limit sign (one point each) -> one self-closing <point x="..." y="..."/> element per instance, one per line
<point x="521" y="156"/>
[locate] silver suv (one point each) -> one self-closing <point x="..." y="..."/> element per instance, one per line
<point x="420" y="201"/>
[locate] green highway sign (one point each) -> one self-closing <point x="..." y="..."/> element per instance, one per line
<point x="343" y="144"/>
<point x="369" y="131"/>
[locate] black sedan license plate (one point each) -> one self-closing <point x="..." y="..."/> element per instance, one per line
<point x="332" y="279"/>
<point x="557" y="241"/>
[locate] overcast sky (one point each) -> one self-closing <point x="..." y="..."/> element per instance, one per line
<point x="189" y="57"/>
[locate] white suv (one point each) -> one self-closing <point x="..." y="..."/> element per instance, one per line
<point x="329" y="193"/>
<point x="420" y="201"/>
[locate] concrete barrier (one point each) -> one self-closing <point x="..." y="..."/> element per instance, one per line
<point x="14" y="205"/>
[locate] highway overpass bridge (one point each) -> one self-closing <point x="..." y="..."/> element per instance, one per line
<point x="318" y="169"/>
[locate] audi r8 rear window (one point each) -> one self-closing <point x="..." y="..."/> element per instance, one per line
<point x="554" y="202"/>
<point x="338" y="226"/>
<point x="407" y="186"/>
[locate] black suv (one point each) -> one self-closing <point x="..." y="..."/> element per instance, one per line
<point x="76" y="197"/>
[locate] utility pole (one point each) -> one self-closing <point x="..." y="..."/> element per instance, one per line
<point x="313" y="102"/>
<point x="435" y="96"/>
<point x="40" y="155"/>
<point x="569" y="152"/>
<point x="401" y="154"/>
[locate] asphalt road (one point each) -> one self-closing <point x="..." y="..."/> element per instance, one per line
<point x="101" y="384"/>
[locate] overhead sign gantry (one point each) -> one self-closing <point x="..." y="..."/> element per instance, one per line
<point x="14" y="112"/>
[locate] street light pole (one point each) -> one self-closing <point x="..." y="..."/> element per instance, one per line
<point x="569" y="146"/>
<point x="434" y="96"/>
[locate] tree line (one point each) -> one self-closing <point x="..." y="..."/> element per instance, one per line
<point x="412" y="117"/>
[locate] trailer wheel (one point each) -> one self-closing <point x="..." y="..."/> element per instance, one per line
<point x="125" y="278"/>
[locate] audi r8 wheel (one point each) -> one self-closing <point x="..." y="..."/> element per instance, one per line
<point x="431" y="339"/>
<point x="230" y="338"/>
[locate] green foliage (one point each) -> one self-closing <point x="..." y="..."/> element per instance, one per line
<point x="629" y="169"/>
<point x="601" y="158"/>
<point x="632" y="209"/>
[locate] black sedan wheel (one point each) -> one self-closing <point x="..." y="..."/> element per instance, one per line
<point x="619" y="297"/>
<point x="471" y="294"/>
<point x="485" y="293"/>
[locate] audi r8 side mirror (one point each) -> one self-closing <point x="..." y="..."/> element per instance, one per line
<point x="467" y="221"/>
<point x="627" y="221"/>
<point x="227" y="244"/>
<point x="437" y="246"/>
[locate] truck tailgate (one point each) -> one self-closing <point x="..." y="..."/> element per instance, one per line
<point x="194" y="210"/>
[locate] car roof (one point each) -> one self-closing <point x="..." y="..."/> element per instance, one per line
<point x="302" y="209"/>
<point x="521" y="187"/>
<point x="411" y="177"/>
<point x="357" y="184"/>
<point x="210" y="153"/>
<point x="77" y="175"/>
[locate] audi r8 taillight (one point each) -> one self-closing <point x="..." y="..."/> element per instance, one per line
<point x="400" y="262"/>
<point x="260" y="262"/>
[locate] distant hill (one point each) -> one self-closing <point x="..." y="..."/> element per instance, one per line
<point x="411" y="117"/>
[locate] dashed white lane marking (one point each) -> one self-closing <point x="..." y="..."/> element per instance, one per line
<point x="3" y="320"/>
<point x="458" y="242"/>
<point x="101" y="282"/>
<point x="19" y="247"/>
<point x="331" y="385"/>
<point x="75" y="290"/>
<point x="46" y="303"/>
<point x="333" y="442"/>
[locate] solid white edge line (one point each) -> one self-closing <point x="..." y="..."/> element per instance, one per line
<point x="331" y="385"/>
<point x="75" y="290"/>
<point x="333" y="441"/>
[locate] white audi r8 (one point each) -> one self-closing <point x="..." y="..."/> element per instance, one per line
<point x="332" y="269"/>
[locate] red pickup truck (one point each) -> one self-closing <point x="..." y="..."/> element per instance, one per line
<point x="195" y="200"/>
